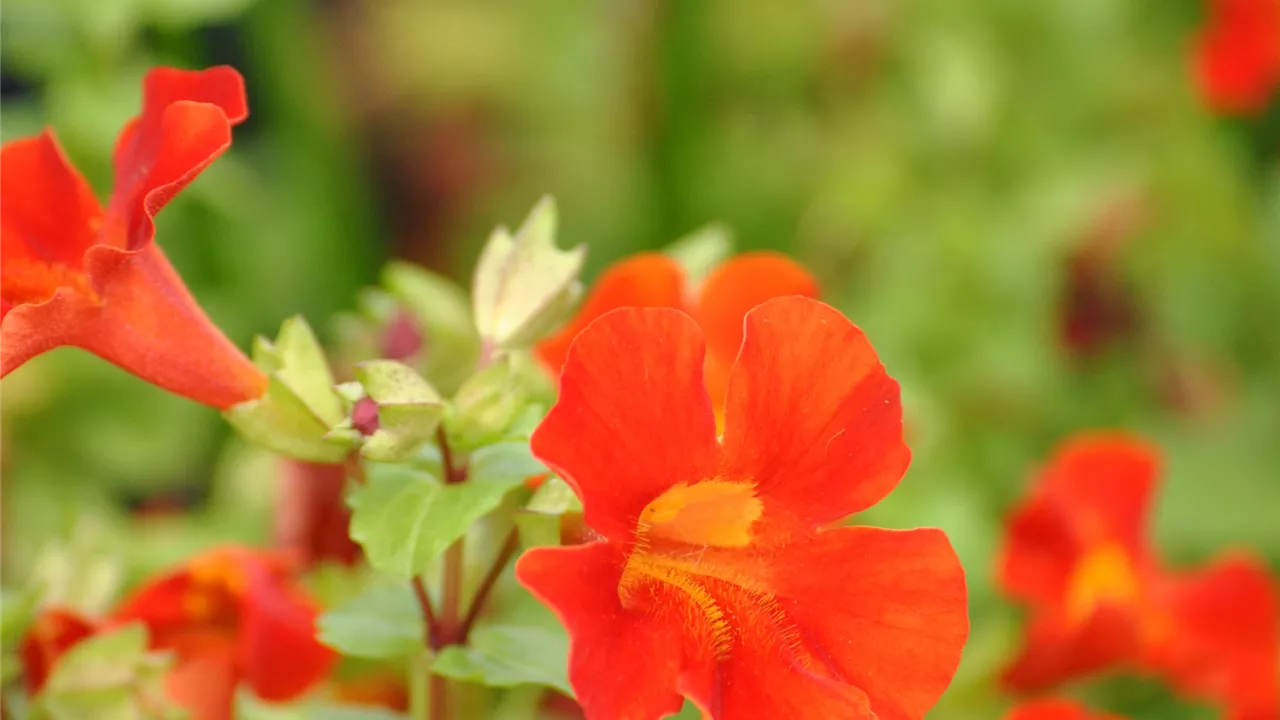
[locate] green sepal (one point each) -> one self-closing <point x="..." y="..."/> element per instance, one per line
<point x="490" y="403"/>
<point x="300" y="406"/>
<point x="109" y="676"/>
<point x="82" y="573"/>
<point x="524" y="285"/>
<point x="451" y="345"/>
<point x="409" y="410"/>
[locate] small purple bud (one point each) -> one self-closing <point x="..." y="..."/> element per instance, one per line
<point x="402" y="338"/>
<point x="364" y="416"/>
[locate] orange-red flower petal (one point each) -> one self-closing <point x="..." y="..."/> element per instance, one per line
<point x="1223" y="639"/>
<point x="1055" y="651"/>
<point x="238" y="604"/>
<point x="54" y="632"/>
<point x="633" y="418"/>
<point x="622" y="664"/>
<point x="729" y="292"/>
<point x="643" y="280"/>
<point x="205" y="684"/>
<point x="885" y="610"/>
<point x="811" y="416"/>
<point x="1095" y="491"/>
<point x="72" y="275"/>
<point x="312" y="518"/>
<point x="1237" y="55"/>
<point x="1054" y="709"/>
<point x="34" y="231"/>
<point x="790" y="634"/>
<point x="185" y="124"/>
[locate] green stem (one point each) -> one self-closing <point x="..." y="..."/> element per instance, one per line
<point x="419" y="676"/>
<point x="450" y="630"/>
<point x="508" y="551"/>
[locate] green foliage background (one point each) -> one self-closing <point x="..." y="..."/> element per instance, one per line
<point x="933" y="162"/>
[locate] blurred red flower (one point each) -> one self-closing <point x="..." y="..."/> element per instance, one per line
<point x="1237" y="55"/>
<point x="312" y="519"/>
<point x="1077" y="553"/>
<point x="55" y="631"/>
<point x="712" y="578"/>
<point x="74" y="274"/>
<point x="231" y="615"/>
<point x="723" y="299"/>
<point x="1056" y="710"/>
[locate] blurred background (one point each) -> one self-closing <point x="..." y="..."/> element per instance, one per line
<point x="1028" y="206"/>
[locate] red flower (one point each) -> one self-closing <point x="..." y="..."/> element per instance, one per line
<point x="74" y="274"/>
<point x="1056" y="710"/>
<point x="54" y="632"/>
<point x="1225" y="643"/>
<point x="231" y="615"/>
<point x="1078" y="555"/>
<point x="1237" y="55"/>
<point x="655" y="280"/>
<point x="312" y="519"/>
<point x="712" y="577"/>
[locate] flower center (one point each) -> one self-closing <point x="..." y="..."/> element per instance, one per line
<point x="29" y="281"/>
<point x="1103" y="576"/>
<point x="213" y="598"/>
<point x="692" y="547"/>
<point x="715" y="513"/>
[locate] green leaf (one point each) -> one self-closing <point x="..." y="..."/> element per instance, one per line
<point x="537" y="529"/>
<point x="381" y="623"/>
<point x="524" y="285"/>
<point x="251" y="707"/>
<point x="109" y="676"/>
<point x="17" y="612"/>
<point x="404" y="518"/>
<point x="506" y="655"/>
<point x="10" y="667"/>
<point x="507" y="464"/>
<point x="339" y="712"/>
<point x="542" y="518"/>
<point x="699" y="252"/>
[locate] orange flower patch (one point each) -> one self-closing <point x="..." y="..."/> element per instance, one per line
<point x="1077" y="555"/>
<point x="655" y="280"/>
<point x="711" y="577"/>
<point x="72" y="273"/>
